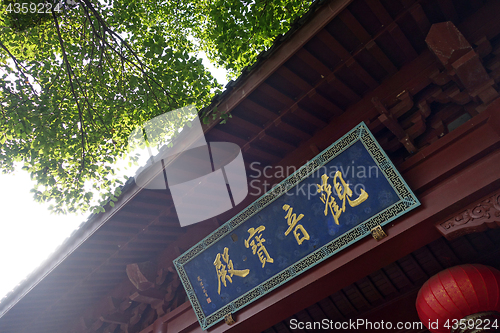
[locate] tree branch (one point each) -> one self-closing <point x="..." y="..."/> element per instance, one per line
<point x="69" y="71"/>
<point x="18" y="65"/>
<point x="140" y="65"/>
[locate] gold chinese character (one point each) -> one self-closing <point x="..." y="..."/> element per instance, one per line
<point x="347" y="192"/>
<point x="326" y="191"/>
<point x="343" y="192"/>
<point x="222" y="273"/>
<point x="292" y="221"/>
<point x="209" y="300"/>
<point x="257" y="245"/>
<point x="305" y="235"/>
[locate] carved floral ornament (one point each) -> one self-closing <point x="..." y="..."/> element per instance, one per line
<point x="478" y="217"/>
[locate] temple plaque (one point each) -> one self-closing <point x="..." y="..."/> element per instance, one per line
<point x="328" y="204"/>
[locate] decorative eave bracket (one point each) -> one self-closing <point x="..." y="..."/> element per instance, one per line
<point x="462" y="63"/>
<point x="482" y="215"/>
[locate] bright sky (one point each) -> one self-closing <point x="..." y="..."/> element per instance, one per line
<point x="29" y="233"/>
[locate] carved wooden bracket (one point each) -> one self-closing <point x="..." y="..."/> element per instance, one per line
<point x="142" y="275"/>
<point x="462" y="63"/>
<point x="478" y="217"/>
<point x="389" y="119"/>
<point x="150" y="296"/>
<point x="159" y="291"/>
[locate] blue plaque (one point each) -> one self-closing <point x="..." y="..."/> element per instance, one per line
<point x="331" y="202"/>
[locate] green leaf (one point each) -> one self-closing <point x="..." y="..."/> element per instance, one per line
<point x="116" y="87"/>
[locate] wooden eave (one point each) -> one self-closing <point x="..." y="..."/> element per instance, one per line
<point x="303" y="95"/>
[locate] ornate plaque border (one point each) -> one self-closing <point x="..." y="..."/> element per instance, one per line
<point x="407" y="201"/>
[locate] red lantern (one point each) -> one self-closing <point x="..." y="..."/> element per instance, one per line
<point x="461" y="299"/>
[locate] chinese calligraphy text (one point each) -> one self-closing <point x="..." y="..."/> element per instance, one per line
<point x="292" y="221"/>
<point x="257" y="245"/>
<point x="343" y="192"/>
<point x="222" y="273"/>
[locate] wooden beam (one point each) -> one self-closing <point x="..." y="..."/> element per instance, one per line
<point x="392" y="124"/>
<point x="456" y="53"/>
<point x="292" y="105"/>
<point x="220" y="135"/>
<point x="325" y="103"/>
<point x="280" y="144"/>
<point x="334" y="45"/>
<point x="308" y="117"/>
<point x="292" y="130"/>
<point x="420" y="19"/>
<point x="294" y="79"/>
<point x="480" y="84"/>
<point x="380" y="12"/>
<point x="448" y="9"/>
<point x="250" y="149"/>
<point x="321" y="18"/>
<point x="162" y="231"/>
<point x="313" y="62"/>
<point x="129" y="233"/>
<point x="476" y="4"/>
<point x="361" y="73"/>
<point x="257" y="108"/>
<point x="418" y="71"/>
<point x="403" y="43"/>
<point x="381" y="58"/>
<point x="240" y="122"/>
<point x="150" y="296"/>
<point x="353" y="24"/>
<point x="277" y="95"/>
<point x="98" y="250"/>
<point x="343" y="89"/>
<point x="453" y="49"/>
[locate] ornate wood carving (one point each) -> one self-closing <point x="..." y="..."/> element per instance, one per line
<point x="158" y="290"/>
<point x="478" y="217"/>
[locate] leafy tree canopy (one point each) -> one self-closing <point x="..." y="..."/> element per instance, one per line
<point x="77" y="76"/>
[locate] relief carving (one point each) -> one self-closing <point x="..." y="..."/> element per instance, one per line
<point x="479" y="217"/>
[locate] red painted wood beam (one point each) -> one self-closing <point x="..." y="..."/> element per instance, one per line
<point x="290" y="47"/>
<point x="380" y="12"/>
